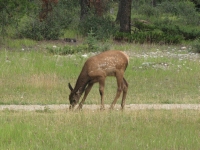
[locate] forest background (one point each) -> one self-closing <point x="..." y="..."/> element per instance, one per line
<point x="137" y="21"/>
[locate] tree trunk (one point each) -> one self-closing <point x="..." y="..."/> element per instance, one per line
<point x="84" y="8"/>
<point x="98" y="6"/>
<point x="119" y="12"/>
<point x="153" y="3"/>
<point x="125" y="16"/>
<point x="87" y="5"/>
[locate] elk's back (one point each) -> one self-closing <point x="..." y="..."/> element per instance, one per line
<point x="108" y="62"/>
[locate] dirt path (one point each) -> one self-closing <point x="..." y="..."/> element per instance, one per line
<point x="96" y="107"/>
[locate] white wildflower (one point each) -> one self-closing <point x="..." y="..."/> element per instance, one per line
<point x="85" y="55"/>
<point x="183" y="48"/>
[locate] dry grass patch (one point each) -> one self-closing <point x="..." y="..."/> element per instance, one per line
<point x="47" y="81"/>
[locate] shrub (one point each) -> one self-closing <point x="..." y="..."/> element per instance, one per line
<point x="196" y="45"/>
<point x="103" y="27"/>
<point x="67" y="49"/>
<point x="140" y="25"/>
<point x="149" y="33"/>
<point x="91" y="41"/>
<point x="169" y="7"/>
<point x="34" y="29"/>
<point x="52" y="26"/>
<point x="155" y="36"/>
<point x="159" y="33"/>
<point x="185" y="10"/>
<point x="188" y="33"/>
<point x="148" y="10"/>
<point x="90" y="45"/>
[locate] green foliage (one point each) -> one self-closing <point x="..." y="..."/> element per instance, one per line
<point x="91" y="44"/>
<point x="178" y="21"/>
<point x="88" y="46"/>
<point x="143" y="25"/>
<point x="11" y="12"/>
<point x="51" y="28"/>
<point x="103" y="27"/>
<point x="148" y="10"/>
<point x="67" y="49"/>
<point x="180" y="17"/>
<point x="187" y="32"/>
<point x="146" y="32"/>
<point x="155" y="36"/>
<point x="196" y="45"/>
<point x="185" y="10"/>
<point x="91" y="41"/>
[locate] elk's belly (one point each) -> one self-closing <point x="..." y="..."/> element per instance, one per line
<point x="110" y="71"/>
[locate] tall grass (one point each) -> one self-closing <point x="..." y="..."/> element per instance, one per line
<point x="152" y="129"/>
<point x="33" y="77"/>
<point x="17" y="44"/>
<point x="156" y="74"/>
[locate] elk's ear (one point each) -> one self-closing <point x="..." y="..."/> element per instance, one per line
<point x="70" y="87"/>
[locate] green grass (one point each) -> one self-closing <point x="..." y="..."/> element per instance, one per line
<point x="152" y="129"/>
<point x="70" y="34"/>
<point x="37" y="77"/>
<point x="34" y="77"/>
<point x="163" y="84"/>
<point x="17" y="44"/>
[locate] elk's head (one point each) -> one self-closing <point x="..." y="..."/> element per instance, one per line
<point x="73" y="97"/>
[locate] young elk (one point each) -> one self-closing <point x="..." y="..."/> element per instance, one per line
<point x="96" y="69"/>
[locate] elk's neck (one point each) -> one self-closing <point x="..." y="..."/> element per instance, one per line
<point x="81" y="83"/>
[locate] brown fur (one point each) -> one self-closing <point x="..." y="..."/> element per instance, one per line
<point x="96" y="69"/>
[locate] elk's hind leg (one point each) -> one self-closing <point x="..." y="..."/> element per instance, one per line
<point x="120" y="83"/>
<point x="101" y="91"/>
<point x="125" y="89"/>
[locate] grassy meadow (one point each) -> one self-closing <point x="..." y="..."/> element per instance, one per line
<point x="29" y="74"/>
<point x="144" y="129"/>
<point x="156" y="74"/>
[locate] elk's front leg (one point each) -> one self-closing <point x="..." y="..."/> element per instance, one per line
<point x="87" y="90"/>
<point x="101" y="91"/>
